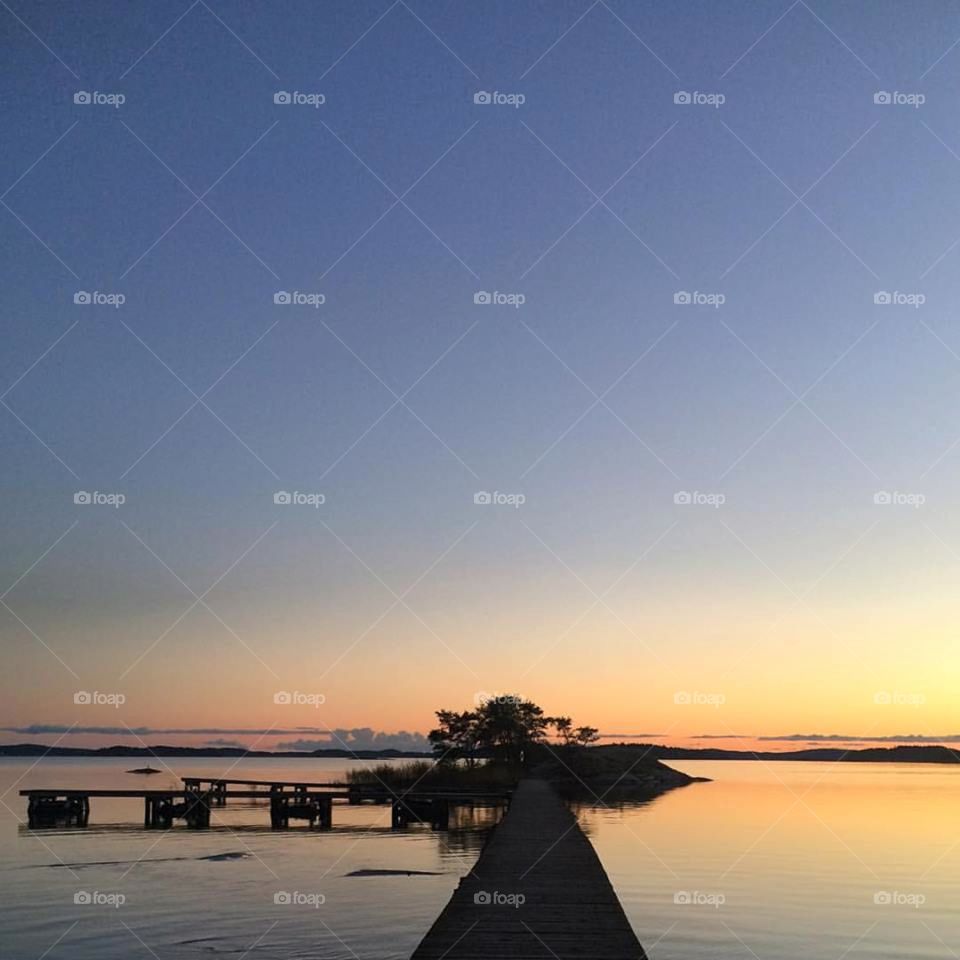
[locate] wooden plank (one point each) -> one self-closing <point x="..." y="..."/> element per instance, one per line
<point x="260" y="794"/>
<point x="537" y="892"/>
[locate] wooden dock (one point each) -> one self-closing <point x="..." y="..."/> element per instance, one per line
<point x="538" y="892"/>
<point x="289" y="800"/>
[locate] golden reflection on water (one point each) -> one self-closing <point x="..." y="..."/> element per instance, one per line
<point x="806" y="857"/>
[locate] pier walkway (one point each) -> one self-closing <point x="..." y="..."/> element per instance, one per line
<point x="289" y="800"/>
<point x="537" y="892"/>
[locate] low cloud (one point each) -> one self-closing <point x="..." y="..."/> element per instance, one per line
<point x="630" y="736"/>
<point x="361" y="738"/>
<point x="63" y="728"/>
<point x="306" y="738"/>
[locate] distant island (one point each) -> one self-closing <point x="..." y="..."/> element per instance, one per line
<point x="899" y="754"/>
<point x="163" y="750"/>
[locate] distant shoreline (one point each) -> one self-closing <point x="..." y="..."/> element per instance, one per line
<point x="162" y="750"/>
<point x="900" y="754"/>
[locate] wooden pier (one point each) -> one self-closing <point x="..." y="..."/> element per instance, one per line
<point x="538" y="892"/>
<point x="288" y="801"/>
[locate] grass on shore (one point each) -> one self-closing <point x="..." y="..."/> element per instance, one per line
<point x="426" y="774"/>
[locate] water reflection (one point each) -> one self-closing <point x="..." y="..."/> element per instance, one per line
<point x="466" y="832"/>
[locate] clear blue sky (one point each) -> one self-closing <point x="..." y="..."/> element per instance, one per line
<point x="598" y="199"/>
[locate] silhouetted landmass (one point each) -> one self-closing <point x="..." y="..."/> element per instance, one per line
<point x="38" y="749"/>
<point x="615" y="772"/>
<point x="901" y="754"/>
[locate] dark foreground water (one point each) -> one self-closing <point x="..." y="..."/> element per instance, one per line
<point x="786" y="860"/>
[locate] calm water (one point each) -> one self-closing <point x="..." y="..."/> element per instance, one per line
<point x="777" y="860"/>
<point x="791" y="860"/>
<point x="203" y="894"/>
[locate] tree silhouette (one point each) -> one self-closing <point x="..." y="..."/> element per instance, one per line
<point x="501" y="729"/>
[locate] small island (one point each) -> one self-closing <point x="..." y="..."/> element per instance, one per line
<point x="507" y="738"/>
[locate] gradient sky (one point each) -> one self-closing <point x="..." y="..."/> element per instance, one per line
<point x="798" y="605"/>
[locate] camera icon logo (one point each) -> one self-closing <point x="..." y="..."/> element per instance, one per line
<point x="482" y="97"/>
<point x="282" y="498"/>
<point x="282" y="297"/>
<point x="281" y="96"/>
<point x="81" y="296"/>
<point x="683" y="698"/>
<point x="482" y="898"/>
<point x="82" y="897"/>
<point x="682" y="297"/>
<point x="282" y="897"/>
<point x="81" y="96"/>
<point x="82" y="698"/>
<point x="682" y="896"/>
<point x="283" y="698"/>
<point x="881" y="97"/>
<point x="882" y="698"/>
<point x="882" y="898"/>
<point x="682" y="497"/>
<point x="882" y="498"/>
<point x="482" y="297"/>
<point x="482" y="498"/>
<point x="81" y="496"/>
<point x="681" y="96"/>
<point x="881" y="297"/>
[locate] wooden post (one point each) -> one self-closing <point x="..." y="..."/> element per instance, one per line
<point x="325" y="806"/>
<point x="441" y="813"/>
<point x="278" y="811"/>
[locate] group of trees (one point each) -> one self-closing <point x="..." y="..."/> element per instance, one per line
<point x="502" y="729"/>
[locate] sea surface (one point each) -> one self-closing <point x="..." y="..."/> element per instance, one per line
<point x="768" y="861"/>
<point x="808" y="861"/>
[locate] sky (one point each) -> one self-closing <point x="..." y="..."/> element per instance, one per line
<point x="600" y="353"/>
